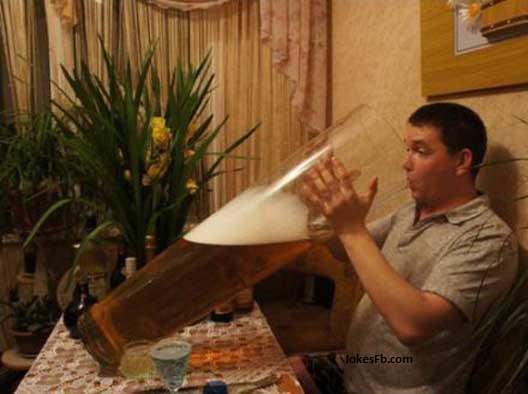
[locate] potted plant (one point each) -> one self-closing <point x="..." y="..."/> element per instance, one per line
<point x="499" y="339"/>
<point x="33" y="321"/>
<point x="32" y="172"/>
<point x="140" y="156"/>
<point x="500" y="347"/>
<point x="5" y="215"/>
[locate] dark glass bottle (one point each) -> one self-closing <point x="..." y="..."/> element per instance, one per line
<point x="30" y="262"/>
<point x="91" y="224"/>
<point x="223" y="313"/>
<point x="118" y="276"/>
<point x="81" y="301"/>
<point x="150" y="248"/>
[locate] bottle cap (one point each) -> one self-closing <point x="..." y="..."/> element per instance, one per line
<point x="215" y="387"/>
<point x="150" y="242"/>
<point x="130" y="266"/>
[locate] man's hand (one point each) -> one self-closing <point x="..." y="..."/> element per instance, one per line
<point x="328" y="187"/>
<point x="413" y="315"/>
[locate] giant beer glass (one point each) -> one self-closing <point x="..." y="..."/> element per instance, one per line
<point x="256" y="233"/>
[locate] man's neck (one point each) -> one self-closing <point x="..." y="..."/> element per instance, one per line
<point x="425" y="211"/>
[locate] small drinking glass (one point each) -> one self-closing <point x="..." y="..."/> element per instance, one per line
<point x="136" y="362"/>
<point x="171" y="358"/>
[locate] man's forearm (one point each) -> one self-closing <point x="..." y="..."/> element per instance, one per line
<point x="402" y="305"/>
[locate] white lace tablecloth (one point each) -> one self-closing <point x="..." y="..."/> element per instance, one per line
<point x="242" y="351"/>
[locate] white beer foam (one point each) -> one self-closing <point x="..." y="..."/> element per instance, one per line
<point x="257" y="216"/>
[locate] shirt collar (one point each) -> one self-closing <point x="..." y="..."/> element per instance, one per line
<point x="464" y="212"/>
<point x="469" y="210"/>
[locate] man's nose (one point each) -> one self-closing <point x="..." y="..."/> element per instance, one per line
<point x="407" y="163"/>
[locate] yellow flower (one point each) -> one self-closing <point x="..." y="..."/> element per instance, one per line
<point x="161" y="137"/>
<point x="157" y="169"/>
<point x="148" y="154"/>
<point x="191" y="186"/>
<point x="146" y="180"/>
<point x="157" y="122"/>
<point x="128" y="175"/>
<point x="193" y="126"/>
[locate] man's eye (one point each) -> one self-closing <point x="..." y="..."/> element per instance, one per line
<point x="420" y="151"/>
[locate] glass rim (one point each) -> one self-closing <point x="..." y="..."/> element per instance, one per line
<point x="137" y="344"/>
<point x="170" y="342"/>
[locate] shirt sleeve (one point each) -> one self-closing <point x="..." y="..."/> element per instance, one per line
<point x="476" y="271"/>
<point x="380" y="228"/>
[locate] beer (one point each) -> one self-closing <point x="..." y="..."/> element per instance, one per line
<point x="255" y="234"/>
<point x="257" y="216"/>
<point x="193" y="276"/>
<point x="181" y="285"/>
<point x="244" y="300"/>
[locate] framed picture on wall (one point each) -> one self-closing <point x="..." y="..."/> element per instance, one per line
<point x="454" y="61"/>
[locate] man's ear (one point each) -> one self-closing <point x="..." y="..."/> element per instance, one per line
<point x="464" y="160"/>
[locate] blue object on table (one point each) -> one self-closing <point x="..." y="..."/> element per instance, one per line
<point x="215" y="387"/>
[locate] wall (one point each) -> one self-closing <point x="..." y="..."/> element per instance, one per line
<point x="376" y="61"/>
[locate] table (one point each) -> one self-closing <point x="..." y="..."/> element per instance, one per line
<point x="238" y="353"/>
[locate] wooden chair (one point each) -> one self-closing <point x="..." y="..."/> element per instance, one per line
<point x="303" y="328"/>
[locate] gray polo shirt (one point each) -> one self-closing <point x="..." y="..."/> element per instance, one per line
<point x="464" y="254"/>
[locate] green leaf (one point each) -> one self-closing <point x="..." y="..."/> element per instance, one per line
<point x="234" y="146"/>
<point x="55" y="207"/>
<point x="91" y="237"/>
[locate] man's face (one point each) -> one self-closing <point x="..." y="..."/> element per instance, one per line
<point x="430" y="168"/>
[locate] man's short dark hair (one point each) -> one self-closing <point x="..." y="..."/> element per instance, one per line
<point x="459" y="127"/>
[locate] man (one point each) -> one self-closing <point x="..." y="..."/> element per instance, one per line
<point x="431" y="270"/>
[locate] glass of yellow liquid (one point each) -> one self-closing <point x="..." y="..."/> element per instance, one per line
<point x="136" y="362"/>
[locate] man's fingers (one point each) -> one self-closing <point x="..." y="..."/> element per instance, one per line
<point x="327" y="175"/>
<point x="328" y="163"/>
<point x="312" y="198"/>
<point x="372" y="190"/>
<point x="342" y="174"/>
<point x="310" y="191"/>
<point x="315" y="180"/>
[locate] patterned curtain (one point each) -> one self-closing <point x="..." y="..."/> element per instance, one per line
<point x="297" y="33"/>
